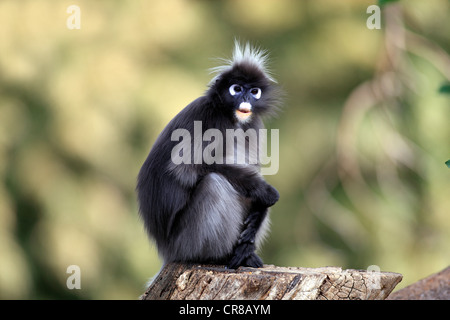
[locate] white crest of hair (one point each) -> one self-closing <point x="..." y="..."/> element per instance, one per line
<point x="244" y="54"/>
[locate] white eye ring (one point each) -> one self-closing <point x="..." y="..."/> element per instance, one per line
<point x="256" y="93"/>
<point x="234" y="89"/>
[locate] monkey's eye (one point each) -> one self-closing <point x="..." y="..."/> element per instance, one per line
<point x="234" y="89"/>
<point x="256" y="93"/>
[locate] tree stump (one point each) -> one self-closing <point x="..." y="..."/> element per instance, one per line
<point x="212" y="282"/>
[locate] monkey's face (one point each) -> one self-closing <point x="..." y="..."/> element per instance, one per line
<point x="244" y="92"/>
<point x="245" y="97"/>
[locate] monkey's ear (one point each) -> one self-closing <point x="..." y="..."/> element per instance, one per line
<point x="215" y="82"/>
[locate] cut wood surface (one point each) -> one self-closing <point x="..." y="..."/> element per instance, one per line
<point x="212" y="282"/>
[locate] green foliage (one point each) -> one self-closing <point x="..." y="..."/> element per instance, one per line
<point x="445" y="88"/>
<point x="385" y="2"/>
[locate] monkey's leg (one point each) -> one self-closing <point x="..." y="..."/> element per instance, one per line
<point x="207" y="229"/>
<point x="244" y="251"/>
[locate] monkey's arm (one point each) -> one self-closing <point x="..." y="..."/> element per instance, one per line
<point x="249" y="183"/>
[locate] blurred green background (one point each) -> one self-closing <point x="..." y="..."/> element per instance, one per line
<point x="364" y="133"/>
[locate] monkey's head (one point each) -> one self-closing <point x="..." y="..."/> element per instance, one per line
<point x="243" y="86"/>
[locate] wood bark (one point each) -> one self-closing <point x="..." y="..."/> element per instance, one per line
<point x="434" y="287"/>
<point x="211" y="282"/>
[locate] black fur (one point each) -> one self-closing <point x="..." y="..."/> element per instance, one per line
<point x="209" y="212"/>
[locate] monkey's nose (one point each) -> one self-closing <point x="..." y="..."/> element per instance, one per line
<point x="245" y="107"/>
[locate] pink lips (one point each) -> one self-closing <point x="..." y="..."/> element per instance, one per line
<point x="244" y="111"/>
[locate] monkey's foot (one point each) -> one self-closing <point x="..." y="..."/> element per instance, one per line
<point x="253" y="261"/>
<point x="244" y="255"/>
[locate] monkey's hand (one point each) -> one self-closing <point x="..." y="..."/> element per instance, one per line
<point x="250" y="184"/>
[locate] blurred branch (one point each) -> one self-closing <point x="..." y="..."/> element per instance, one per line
<point x="430" y="51"/>
<point x="386" y="86"/>
<point x="378" y="100"/>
